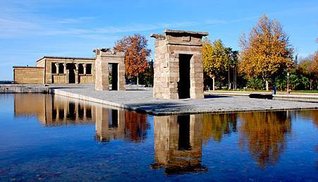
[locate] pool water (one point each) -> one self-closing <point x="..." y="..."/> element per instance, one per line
<point x="51" y="138"/>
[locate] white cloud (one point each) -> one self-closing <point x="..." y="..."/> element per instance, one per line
<point x="77" y="20"/>
<point x="16" y="23"/>
<point x="12" y="27"/>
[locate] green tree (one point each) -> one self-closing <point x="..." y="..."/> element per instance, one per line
<point x="255" y="83"/>
<point x="267" y="52"/>
<point x="146" y="77"/>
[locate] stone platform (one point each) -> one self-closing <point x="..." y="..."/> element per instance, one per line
<point x="141" y="100"/>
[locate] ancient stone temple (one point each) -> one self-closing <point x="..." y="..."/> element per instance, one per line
<point x="56" y="70"/>
<point x="178" y="67"/>
<point x="105" y="70"/>
<point x="109" y="63"/>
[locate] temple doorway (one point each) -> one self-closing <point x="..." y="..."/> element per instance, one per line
<point x="184" y="76"/>
<point x="184" y="132"/>
<point x="71" y="74"/>
<point x="113" y="79"/>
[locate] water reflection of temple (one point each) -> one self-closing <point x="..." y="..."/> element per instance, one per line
<point x="114" y="124"/>
<point x="179" y="139"/>
<point x="110" y="123"/>
<point x="178" y="143"/>
<point x="51" y="110"/>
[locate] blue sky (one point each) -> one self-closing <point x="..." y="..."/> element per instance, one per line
<point x="30" y="29"/>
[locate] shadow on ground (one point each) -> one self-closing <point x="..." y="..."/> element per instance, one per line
<point x="155" y="107"/>
<point x="214" y="96"/>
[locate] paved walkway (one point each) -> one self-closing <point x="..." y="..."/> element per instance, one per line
<point x="142" y="100"/>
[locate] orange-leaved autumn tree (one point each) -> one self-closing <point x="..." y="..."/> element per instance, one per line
<point x="314" y="64"/>
<point x="267" y="52"/>
<point x="136" y="54"/>
<point x="305" y="69"/>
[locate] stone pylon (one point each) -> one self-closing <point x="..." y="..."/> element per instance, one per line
<point x="104" y="57"/>
<point x="178" y="67"/>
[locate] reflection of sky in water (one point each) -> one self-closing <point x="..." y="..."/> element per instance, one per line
<point x="7" y="106"/>
<point x="32" y="148"/>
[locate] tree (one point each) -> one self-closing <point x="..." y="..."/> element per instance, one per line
<point x="232" y="67"/>
<point x="314" y="64"/>
<point x="267" y="52"/>
<point x="146" y="77"/>
<point x="313" y="69"/>
<point x="136" y="54"/>
<point x="215" y="59"/>
<point x="215" y="126"/>
<point x="304" y="65"/>
<point x="303" y="70"/>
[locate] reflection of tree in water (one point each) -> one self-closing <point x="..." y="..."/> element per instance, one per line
<point x="312" y="115"/>
<point x="216" y="125"/>
<point x="265" y="133"/>
<point x="315" y="120"/>
<point x="317" y="161"/>
<point x="136" y="126"/>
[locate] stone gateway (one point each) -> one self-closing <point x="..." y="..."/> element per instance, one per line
<point x="178" y="67"/>
<point x="109" y="63"/>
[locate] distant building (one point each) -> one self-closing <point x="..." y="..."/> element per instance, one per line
<point x="57" y="70"/>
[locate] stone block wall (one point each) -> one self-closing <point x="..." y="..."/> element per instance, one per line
<point x="86" y="79"/>
<point x="161" y="70"/>
<point x="104" y="57"/>
<point x="59" y="78"/>
<point x="168" y="48"/>
<point x="28" y="75"/>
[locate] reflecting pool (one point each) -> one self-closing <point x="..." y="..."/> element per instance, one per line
<point x="50" y="138"/>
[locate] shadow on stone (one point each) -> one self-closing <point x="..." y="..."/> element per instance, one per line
<point x="261" y="96"/>
<point x="214" y="96"/>
<point x="134" y="89"/>
<point x="153" y="107"/>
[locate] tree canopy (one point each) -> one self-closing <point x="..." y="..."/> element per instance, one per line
<point x="136" y="54"/>
<point x="215" y="57"/>
<point x="267" y="52"/>
<point x="314" y="64"/>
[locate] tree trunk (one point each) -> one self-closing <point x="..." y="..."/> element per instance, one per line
<point x="234" y="79"/>
<point x="310" y="84"/>
<point x="137" y="81"/>
<point x="213" y="83"/>
<point x="229" y="78"/>
<point x="266" y="82"/>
